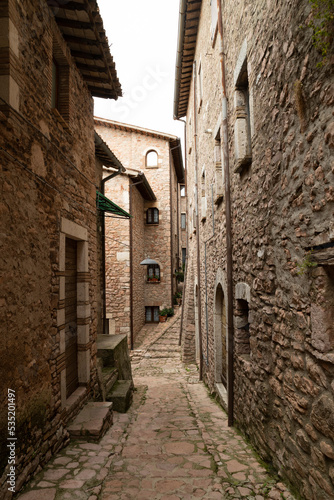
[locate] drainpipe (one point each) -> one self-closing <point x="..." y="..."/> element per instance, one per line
<point x="197" y="229"/>
<point x="171" y="226"/>
<point x="229" y="261"/>
<point x="131" y="185"/>
<point x="187" y="226"/>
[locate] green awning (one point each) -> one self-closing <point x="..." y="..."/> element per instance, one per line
<point x="105" y="205"/>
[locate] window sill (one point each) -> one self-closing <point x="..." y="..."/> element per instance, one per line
<point x="151" y="223"/>
<point x="153" y="282"/>
<point x="242" y="163"/>
<point x="219" y="198"/>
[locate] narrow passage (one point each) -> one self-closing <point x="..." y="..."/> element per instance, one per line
<point x="172" y="444"/>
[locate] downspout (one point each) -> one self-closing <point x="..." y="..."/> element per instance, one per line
<point x="229" y="261"/>
<point x="197" y="230"/>
<point x="131" y="269"/>
<point x="171" y="226"/>
<point x="187" y="226"/>
<point x="131" y="185"/>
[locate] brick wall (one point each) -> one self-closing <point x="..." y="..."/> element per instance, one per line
<point x="48" y="185"/>
<point x="282" y="204"/>
<point x="149" y="240"/>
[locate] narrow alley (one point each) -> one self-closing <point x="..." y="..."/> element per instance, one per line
<point x="173" y="443"/>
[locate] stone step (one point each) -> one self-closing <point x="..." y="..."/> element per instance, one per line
<point x="158" y="354"/>
<point x="92" y="422"/>
<point x="121" y="395"/>
<point x="113" y="351"/>
<point x="163" y="348"/>
<point x="109" y="375"/>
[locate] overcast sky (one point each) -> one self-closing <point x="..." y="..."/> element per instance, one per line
<point x="142" y="36"/>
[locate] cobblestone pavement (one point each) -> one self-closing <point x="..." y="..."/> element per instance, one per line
<point x="173" y="443"/>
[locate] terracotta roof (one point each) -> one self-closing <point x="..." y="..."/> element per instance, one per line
<point x="82" y="28"/>
<point x="188" y="26"/>
<point x="174" y="141"/>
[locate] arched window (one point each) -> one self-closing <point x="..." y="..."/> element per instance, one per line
<point x="151" y="159"/>
<point x="152" y="216"/>
<point x="153" y="272"/>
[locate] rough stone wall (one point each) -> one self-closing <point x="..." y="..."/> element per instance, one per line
<point x="282" y="204"/>
<point x="138" y="255"/>
<point x="47" y="175"/>
<point x="118" y="258"/>
<point x="131" y="146"/>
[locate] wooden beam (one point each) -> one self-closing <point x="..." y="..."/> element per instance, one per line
<point x="70" y="23"/>
<point x="91" y="68"/>
<point x="86" y="55"/>
<point x="81" y="41"/>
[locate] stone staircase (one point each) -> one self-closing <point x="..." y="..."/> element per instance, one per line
<point x="116" y="386"/>
<point x="163" y="344"/>
<point x="115" y="371"/>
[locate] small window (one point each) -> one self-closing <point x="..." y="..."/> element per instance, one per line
<point x="203" y="195"/>
<point x="153" y="273"/>
<point x="184" y="254"/>
<point x="152" y="216"/>
<point x="242" y="338"/>
<point x="214" y="19"/>
<point x="152" y="159"/>
<point x="219" y="178"/>
<point x="182" y="191"/>
<point x="242" y="126"/>
<point x="152" y="314"/>
<point x="60" y="83"/>
<point x="183" y="221"/>
<point x="200" y="85"/>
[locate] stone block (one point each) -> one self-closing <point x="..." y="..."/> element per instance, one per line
<point x="121" y="395"/>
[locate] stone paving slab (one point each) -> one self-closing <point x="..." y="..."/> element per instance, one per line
<point x="173" y="443"/>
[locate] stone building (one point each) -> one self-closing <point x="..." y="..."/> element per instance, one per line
<point x="259" y="302"/>
<point x="150" y="191"/>
<point x="54" y="58"/>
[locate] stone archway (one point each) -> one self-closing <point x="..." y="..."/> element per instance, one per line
<point x="221" y="338"/>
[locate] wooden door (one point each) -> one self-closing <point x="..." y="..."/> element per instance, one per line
<point x="71" y="349"/>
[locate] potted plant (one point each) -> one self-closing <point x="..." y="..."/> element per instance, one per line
<point x="163" y="315"/>
<point x="178" y="298"/>
<point x="170" y="312"/>
<point x="179" y="276"/>
<point x="154" y="278"/>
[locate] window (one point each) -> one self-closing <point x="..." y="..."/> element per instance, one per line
<point x="60" y="83"/>
<point x="242" y="338"/>
<point x="152" y="216"/>
<point x="242" y="126"/>
<point x="200" y="85"/>
<point x="182" y="191"/>
<point x="219" y="179"/>
<point x="152" y="314"/>
<point x="183" y="221"/>
<point x="214" y="19"/>
<point x="203" y="195"/>
<point x="184" y="255"/>
<point x="153" y="273"/>
<point x="151" y="159"/>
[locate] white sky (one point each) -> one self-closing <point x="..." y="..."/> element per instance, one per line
<point x="142" y="36"/>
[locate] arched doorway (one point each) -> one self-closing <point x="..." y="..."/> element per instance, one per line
<point x="221" y="337"/>
<point x="197" y="347"/>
